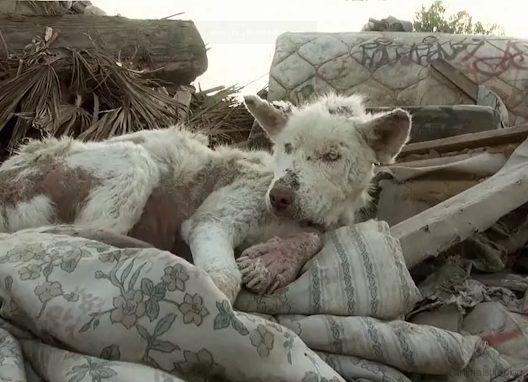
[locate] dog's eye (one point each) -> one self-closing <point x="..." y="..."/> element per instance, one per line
<point x="288" y="148"/>
<point x="331" y="156"/>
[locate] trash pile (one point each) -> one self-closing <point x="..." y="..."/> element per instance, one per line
<point x="465" y="194"/>
<point x="456" y="198"/>
<point x="52" y="8"/>
<point x="458" y="206"/>
<point x="92" y="95"/>
<point x="430" y="285"/>
<point x="389" y="23"/>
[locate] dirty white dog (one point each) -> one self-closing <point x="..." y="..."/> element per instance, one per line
<point x="165" y="185"/>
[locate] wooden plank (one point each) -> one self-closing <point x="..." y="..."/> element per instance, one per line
<point x="172" y="47"/>
<point x="427" y="162"/>
<point x="468" y="141"/>
<point x="434" y="230"/>
<point x="456" y="77"/>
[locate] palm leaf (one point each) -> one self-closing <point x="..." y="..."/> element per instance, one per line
<point x="91" y="96"/>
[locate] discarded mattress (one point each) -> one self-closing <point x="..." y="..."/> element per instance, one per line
<point x="393" y="68"/>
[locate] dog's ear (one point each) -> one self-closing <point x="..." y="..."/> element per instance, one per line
<point x="387" y="133"/>
<point x="271" y="118"/>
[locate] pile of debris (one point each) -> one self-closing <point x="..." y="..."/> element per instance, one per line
<point x="77" y="93"/>
<point x="50" y="88"/>
<point x="456" y="200"/>
<point x="389" y="23"/>
<point x="51" y="8"/>
<point x="459" y="207"/>
<point x="221" y="116"/>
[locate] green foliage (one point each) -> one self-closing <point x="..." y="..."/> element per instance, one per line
<point x="434" y="19"/>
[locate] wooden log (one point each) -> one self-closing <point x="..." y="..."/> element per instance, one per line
<point x="468" y="141"/>
<point x="174" y="49"/>
<point x="433" y="161"/>
<point x="434" y="230"/>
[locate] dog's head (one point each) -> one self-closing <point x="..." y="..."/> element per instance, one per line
<point x="324" y="154"/>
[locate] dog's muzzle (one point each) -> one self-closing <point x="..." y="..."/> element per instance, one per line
<point x="281" y="198"/>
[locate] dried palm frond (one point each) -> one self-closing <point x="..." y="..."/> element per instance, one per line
<point x="91" y="96"/>
<point x="42" y="102"/>
<point x="49" y="8"/>
<point x="71" y="118"/>
<point x="221" y="116"/>
<point x="137" y="105"/>
<point x="85" y="94"/>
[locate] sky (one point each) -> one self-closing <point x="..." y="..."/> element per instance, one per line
<point x="240" y="34"/>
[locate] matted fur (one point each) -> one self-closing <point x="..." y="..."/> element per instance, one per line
<point x="324" y="156"/>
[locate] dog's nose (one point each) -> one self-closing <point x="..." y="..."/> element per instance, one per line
<point x="280" y="198"/>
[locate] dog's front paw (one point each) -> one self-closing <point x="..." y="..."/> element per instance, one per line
<point x="227" y="280"/>
<point x="274" y="264"/>
<point x="257" y="275"/>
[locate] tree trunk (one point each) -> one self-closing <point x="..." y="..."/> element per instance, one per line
<point x="174" y="47"/>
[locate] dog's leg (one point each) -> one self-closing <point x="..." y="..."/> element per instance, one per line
<point x="276" y="263"/>
<point x="222" y="223"/>
<point x="212" y="251"/>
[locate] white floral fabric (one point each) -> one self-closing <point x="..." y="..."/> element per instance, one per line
<point x="101" y="313"/>
<point x="74" y="310"/>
